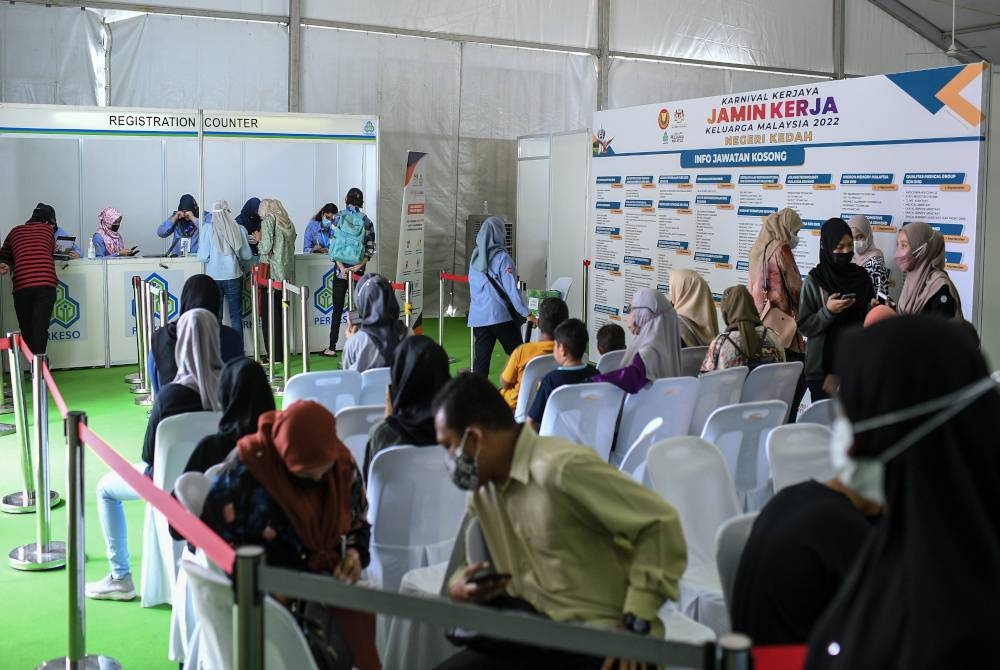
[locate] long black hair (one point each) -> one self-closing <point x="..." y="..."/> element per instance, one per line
<point x="328" y="208"/>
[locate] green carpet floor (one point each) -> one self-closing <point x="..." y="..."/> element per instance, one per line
<point x="34" y="613"/>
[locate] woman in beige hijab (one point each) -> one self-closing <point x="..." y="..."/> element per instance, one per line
<point x="927" y="288"/>
<point x="692" y="299"/>
<point x="277" y="249"/>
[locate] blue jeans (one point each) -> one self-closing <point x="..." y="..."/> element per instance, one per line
<point x="231" y="293"/>
<point x="111" y="492"/>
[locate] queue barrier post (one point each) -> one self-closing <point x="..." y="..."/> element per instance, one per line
<point x="255" y="311"/>
<point x="522" y="286"/>
<point x="304" y="325"/>
<point x="23" y="501"/>
<point x="350" y="291"/>
<point x="734" y="652"/>
<point x="44" y="553"/>
<point x="407" y="303"/>
<point x="248" y="620"/>
<point x="441" y="311"/>
<point x="147" y="336"/>
<point x="270" y="333"/>
<point x="586" y="290"/>
<point x="286" y="333"/>
<point x="141" y="386"/>
<point x="76" y="657"/>
<point x="138" y="376"/>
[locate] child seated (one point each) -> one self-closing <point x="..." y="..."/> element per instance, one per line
<point x="610" y="337"/>
<point x="551" y="313"/>
<point x="571" y="342"/>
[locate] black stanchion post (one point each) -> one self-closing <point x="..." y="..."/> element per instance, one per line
<point x="23" y="501"/>
<point x="248" y="638"/>
<point x="77" y="657"/>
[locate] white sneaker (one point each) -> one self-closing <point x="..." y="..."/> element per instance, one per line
<point x="110" y="588"/>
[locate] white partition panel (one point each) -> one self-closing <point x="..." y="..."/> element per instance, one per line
<point x="224" y="175"/>
<point x="34" y="170"/>
<point x="569" y="198"/>
<point x="268" y="175"/>
<point x="532" y="213"/>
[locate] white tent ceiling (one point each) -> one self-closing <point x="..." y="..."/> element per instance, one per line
<point x="977" y="22"/>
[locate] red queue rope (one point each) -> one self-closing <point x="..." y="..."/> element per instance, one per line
<point x="444" y="276"/>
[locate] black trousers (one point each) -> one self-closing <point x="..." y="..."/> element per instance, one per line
<point x="278" y="316"/>
<point x="816" y="390"/>
<point x="800" y="387"/>
<point x="509" y="335"/>
<point x="520" y="657"/>
<point x="33" y="307"/>
<point x="336" y="314"/>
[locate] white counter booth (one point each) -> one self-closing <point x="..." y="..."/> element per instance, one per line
<point x="80" y="160"/>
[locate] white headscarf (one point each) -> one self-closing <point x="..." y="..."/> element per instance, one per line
<point x="199" y="362"/>
<point x="658" y="343"/>
<point x="225" y="231"/>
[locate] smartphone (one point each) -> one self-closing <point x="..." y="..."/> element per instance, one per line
<point x="882" y="298"/>
<point x="487" y="577"/>
<point x="848" y="296"/>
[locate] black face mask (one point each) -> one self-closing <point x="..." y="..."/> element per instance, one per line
<point x="842" y="259"/>
<point x="115" y="227"/>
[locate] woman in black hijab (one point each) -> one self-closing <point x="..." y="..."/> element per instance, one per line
<point x="377" y="330"/>
<point x="419" y="370"/>
<point x="199" y="291"/>
<point x="835" y="295"/>
<point x="250" y="219"/>
<point x="923" y="591"/>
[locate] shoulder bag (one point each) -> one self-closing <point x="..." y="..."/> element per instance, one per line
<point x="781" y="322"/>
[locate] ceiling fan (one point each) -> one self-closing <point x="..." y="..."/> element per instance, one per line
<point x="953" y="51"/>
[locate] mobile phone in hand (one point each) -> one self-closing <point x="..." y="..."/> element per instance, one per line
<point x="848" y="296"/>
<point x="488" y="577"/>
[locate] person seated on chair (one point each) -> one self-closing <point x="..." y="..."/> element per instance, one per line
<point x="572" y="538"/>
<point x="194" y="389"/>
<point x="199" y="291"/>
<point x="419" y="370"/>
<point x="610" y="337"/>
<point x="655" y="351"/>
<point x="571" y="346"/>
<point x="800" y="550"/>
<point x="692" y="300"/>
<point x="551" y="313"/>
<point x="745" y="341"/>
<point x="293" y="488"/>
<point x="373" y="338"/>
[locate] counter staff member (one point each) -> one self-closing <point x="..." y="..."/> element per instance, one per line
<point x="108" y="242"/>
<point x="317" y="236"/>
<point x="28" y="252"/>
<point x="183" y="223"/>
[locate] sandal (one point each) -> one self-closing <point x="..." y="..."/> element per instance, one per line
<point x="329" y="353"/>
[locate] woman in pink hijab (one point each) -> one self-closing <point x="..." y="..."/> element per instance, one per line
<point x="107" y="240"/>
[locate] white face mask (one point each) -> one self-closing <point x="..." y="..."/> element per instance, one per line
<point x="861" y="246"/>
<point x="793" y="241"/>
<point x="865" y="476"/>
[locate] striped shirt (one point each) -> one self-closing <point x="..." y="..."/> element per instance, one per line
<point x="28" y="250"/>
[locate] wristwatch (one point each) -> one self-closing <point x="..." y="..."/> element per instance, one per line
<point x="634" y="624"/>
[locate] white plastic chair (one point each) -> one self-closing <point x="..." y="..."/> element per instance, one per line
<point x="716" y="389"/>
<point x="671" y="398"/>
<point x="415" y="512"/>
<point x="353" y="426"/>
<point x="334" y="389"/>
<point x="537" y="367"/>
<point x="729" y="543"/>
<point x="691" y="360"/>
<point x="214" y="471"/>
<point x="374" y="382"/>
<point x="611" y="361"/>
<point x="634" y="463"/>
<point x="798" y="452"/>
<point x="820" y="412"/>
<point x="562" y="284"/>
<point x="773" y="381"/>
<point x="176" y="438"/>
<point x="690" y="475"/>
<point x="191" y="490"/>
<point x="585" y="414"/>
<point x="740" y="433"/>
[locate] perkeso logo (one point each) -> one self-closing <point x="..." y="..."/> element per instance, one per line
<point x="66" y="311"/>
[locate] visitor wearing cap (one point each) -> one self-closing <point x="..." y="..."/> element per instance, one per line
<point x="107" y="240"/>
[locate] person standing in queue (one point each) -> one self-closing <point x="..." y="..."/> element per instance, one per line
<point x="108" y="242"/>
<point x="28" y="252"/>
<point x="317" y="236"/>
<point x="495" y="300"/>
<point x="250" y="220"/>
<point x="277" y="249"/>
<point x="350" y="228"/>
<point x="183" y="224"/>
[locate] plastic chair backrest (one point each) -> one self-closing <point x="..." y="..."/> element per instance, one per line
<point x="689" y="473"/>
<point x="740" y="433"/>
<point x="213" y="472"/>
<point x="798" y="452"/>
<point x="820" y="412"/>
<point x="585" y="414"/>
<point x="773" y="381"/>
<point x="334" y="389"/>
<point x="415" y="511"/>
<point x="671" y="398"/>
<point x="176" y="438"/>
<point x="562" y="284"/>
<point x="691" y="360"/>
<point x="374" y="382"/>
<point x="610" y="361"/>
<point x="729" y="543"/>
<point x="191" y="490"/>
<point x="353" y="426"/>
<point x="635" y="457"/>
<point x="212" y="597"/>
<point x="537" y="367"/>
<point x="285" y="647"/>
<point x="716" y="389"/>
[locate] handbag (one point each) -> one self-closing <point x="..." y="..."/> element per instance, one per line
<point x="338" y="639"/>
<point x="515" y="316"/>
<point x="781" y="322"/>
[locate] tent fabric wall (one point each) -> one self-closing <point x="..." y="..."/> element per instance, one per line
<point x="876" y="43"/>
<point x="51" y="56"/>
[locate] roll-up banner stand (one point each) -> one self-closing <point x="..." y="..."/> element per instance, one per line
<point x="686" y="184"/>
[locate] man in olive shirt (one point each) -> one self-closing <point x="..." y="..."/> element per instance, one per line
<point x="580" y="541"/>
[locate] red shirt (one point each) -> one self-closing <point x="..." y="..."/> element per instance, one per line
<point x="28" y="250"/>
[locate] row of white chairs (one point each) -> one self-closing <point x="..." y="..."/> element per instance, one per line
<point x="337" y="389"/>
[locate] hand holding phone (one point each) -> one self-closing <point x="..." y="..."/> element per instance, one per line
<point x="848" y="296"/>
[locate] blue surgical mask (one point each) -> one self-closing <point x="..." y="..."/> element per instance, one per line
<point x="462" y="468"/>
<point x="325" y="223"/>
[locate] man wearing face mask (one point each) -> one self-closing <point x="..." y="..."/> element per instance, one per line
<point x="316" y="239"/>
<point x="572" y="538"/>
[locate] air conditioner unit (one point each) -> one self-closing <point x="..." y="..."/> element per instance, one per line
<point x="475" y="222"/>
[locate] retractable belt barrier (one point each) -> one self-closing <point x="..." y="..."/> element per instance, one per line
<point x="287" y="288"/>
<point x="461" y="279"/>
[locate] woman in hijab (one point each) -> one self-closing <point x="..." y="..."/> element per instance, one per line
<point x="867" y="255"/>
<point x="419" y="371"/>
<point x="692" y="300"/>
<point x="107" y="240"/>
<point x="183" y="224"/>
<point x="293" y="488"/>
<point x="249" y="219"/>
<point x="277" y="249"/>
<point x="194" y="389"/>
<point x="655" y="351"/>
<point x="201" y="292"/>
<point x="927" y="288"/>
<point x="922" y="592"/>
<point x="224" y="252"/>
<point x="746" y="341"/>
<point x="836" y="295"/>
<point x="317" y="236"/>
<point x="372" y="340"/>
<point x="496" y="301"/>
